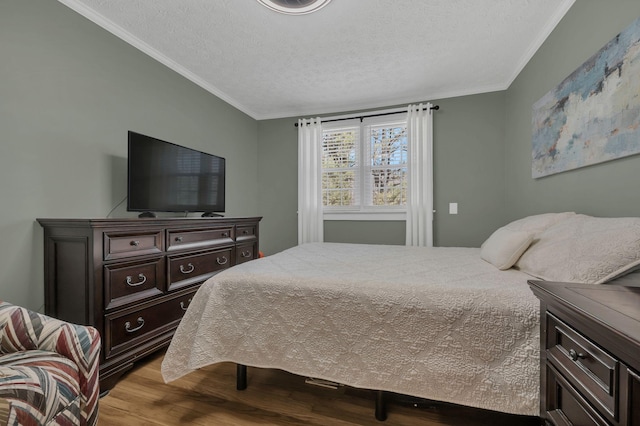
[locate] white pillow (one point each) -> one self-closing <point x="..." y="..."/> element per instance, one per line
<point x="539" y="222"/>
<point x="505" y="246"/>
<point x="584" y="249"/>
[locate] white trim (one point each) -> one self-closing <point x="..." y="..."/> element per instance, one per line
<point x="432" y="95"/>
<point x="134" y="41"/>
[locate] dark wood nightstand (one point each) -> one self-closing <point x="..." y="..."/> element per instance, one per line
<point x="590" y="353"/>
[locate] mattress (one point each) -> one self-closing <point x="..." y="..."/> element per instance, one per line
<point x="437" y="323"/>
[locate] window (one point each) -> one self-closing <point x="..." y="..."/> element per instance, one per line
<point x="364" y="165"/>
<point x="380" y="169"/>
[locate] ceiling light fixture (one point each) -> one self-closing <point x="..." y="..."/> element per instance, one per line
<point x="294" y="7"/>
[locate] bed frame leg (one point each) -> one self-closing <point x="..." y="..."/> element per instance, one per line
<point x="381" y="406"/>
<point x="241" y="377"/>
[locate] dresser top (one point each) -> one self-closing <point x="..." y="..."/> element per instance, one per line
<point x="155" y="221"/>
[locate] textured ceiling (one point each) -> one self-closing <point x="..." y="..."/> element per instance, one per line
<point x="350" y="55"/>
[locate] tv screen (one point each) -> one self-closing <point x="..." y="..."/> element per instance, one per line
<point x="165" y="177"/>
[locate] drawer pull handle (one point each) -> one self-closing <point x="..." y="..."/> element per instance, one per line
<point x="187" y="271"/>
<point x="127" y="325"/>
<point x="222" y="260"/>
<point x="184" y="308"/>
<point x="179" y="239"/>
<point x="135" y="243"/>
<point x="575" y="355"/>
<point x="245" y="232"/>
<point x="141" y="280"/>
<point x="246" y="253"/>
<point x="225" y="234"/>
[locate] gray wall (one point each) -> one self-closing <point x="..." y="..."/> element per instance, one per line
<point x="69" y="91"/>
<point x="606" y="189"/>
<point x="468" y="168"/>
<point x="278" y="184"/>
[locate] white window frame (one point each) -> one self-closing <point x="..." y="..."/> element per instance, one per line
<point x="366" y="212"/>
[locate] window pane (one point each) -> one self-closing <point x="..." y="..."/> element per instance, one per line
<point x="338" y="188"/>
<point x="388" y="165"/>
<point x="340" y="148"/>
<point x="388" y="146"/>
<point x="389" y="186"/>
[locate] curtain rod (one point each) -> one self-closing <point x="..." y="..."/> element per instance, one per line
<point x="362" y="117"/>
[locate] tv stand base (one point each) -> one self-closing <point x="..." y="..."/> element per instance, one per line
<point x="211" y="214"/>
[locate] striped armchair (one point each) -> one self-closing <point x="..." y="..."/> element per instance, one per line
<point x="48" y="370"/>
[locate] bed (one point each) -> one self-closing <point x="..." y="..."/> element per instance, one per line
<point x="455" y="324"/>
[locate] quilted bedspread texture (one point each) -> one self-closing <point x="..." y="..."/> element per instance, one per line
<point x="438" y="323"/>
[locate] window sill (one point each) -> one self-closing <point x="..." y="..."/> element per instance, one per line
<point x="360" y="215"/>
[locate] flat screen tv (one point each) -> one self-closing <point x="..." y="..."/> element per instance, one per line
<point x="165" y="177"/>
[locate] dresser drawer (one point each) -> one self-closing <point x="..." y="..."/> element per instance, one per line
<point x="633" y="402"/>
<point x="118" y="244"/>
<point x="126" y="283"/>
<point x="129" y="328"/>
<point x="565" y="406"/>
<point x="592" y="371"/>
<point x="245" y="253"/>
<point x="245" y="232"/>
<point x="195" y="238"/>
<point x="191" y="269"/>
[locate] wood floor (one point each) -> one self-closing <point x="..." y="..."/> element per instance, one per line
<point x="209" y="397"/>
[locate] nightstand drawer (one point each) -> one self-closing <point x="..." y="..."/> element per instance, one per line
<point x="130" y="282"/>
<point x="565" y="406"/>
<point x="195" y="238"/>
<point x="196" y="268"/>
<point x="592" y="371"/>
<point x="632" y="408"/>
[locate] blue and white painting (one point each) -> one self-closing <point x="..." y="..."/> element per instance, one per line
<point x="594" y="114"/>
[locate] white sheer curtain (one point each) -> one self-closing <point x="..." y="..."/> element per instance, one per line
<point x="420" y="176"/>
<point x="310" y="220"/>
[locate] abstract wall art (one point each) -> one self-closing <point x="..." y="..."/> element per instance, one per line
<point x="593" y="115"/>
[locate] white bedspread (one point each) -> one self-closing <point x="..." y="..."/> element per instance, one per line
<point x="437" y="323"/>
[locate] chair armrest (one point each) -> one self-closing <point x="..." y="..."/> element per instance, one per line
<point x="23" y="330"/>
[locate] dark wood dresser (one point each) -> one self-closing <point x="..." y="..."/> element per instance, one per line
<point x="133" y="279"/>
<point x="590" y="353"/>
